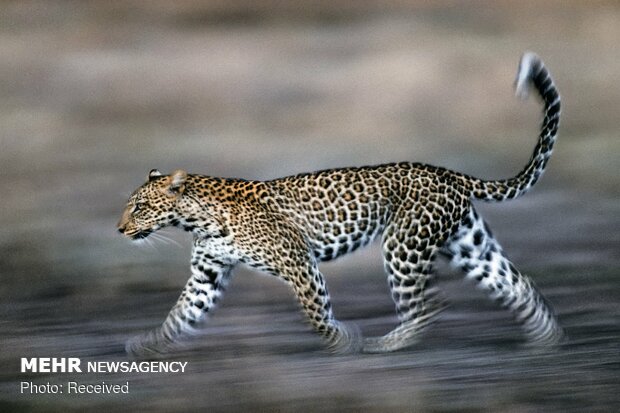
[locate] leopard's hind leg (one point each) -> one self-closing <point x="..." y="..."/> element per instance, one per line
<point x="410" y="247"/>
<point x="474" y="250"/>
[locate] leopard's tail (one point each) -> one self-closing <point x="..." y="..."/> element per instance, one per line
<point x="532" y="71"/>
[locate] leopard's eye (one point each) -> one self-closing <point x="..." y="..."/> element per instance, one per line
<point x="138" y="207"/>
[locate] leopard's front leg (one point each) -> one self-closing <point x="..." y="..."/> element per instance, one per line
<point x="295" y="264"/>
<point x="311" y="290"/>
<point x="199" y="296"/>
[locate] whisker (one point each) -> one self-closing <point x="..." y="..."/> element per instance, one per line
<point x="149" y="242"/>
<point x="159" y="238"/>
<point x="166" y="239"/>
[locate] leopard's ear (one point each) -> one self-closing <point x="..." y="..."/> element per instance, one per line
<point x="153" y="173"/>
<point x="177" y="182"/>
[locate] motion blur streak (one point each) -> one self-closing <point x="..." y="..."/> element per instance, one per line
<point x="94" y="94"/>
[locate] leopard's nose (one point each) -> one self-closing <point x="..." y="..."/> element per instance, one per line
<point x="121" y="230"/>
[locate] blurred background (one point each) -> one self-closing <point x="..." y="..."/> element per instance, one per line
<point x="93" y="94"/>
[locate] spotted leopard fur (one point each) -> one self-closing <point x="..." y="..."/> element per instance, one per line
<point x="286" y="227"/>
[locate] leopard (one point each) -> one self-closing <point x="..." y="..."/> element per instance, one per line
<point x="287" y="226"/>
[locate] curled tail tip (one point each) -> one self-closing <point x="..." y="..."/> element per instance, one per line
<point x="524" y="74"/>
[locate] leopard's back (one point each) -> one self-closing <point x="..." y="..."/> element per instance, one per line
<point x="344" y="209"/>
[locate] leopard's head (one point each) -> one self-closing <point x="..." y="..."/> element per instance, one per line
<point x="154" y="205"/>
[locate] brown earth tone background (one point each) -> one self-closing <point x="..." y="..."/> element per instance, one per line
<point x="93" y="94"/>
